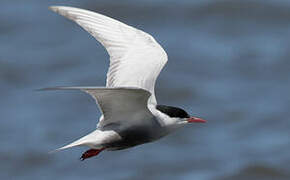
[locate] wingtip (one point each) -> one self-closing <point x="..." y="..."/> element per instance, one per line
<point x="57" y="9"/>
<point x="53" y="8"/>
<point x="49" y="89"/>
<point x="42" y="89"/>
<point x="61" y="88"/>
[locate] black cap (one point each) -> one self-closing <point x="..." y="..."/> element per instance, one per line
<point x="172" y="111"/>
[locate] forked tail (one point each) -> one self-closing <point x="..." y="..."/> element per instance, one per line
<point x="88" y="140"/>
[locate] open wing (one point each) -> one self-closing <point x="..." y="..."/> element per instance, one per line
<point x="136" y="59"/>
<point x="116" y="104"/>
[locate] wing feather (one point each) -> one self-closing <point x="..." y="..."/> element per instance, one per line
<point x="136" y="59"/>
<point x="116" y="104"/>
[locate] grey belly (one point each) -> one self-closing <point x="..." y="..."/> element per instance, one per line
<point x="131" y="138"/>
<point x="136" y="135"/>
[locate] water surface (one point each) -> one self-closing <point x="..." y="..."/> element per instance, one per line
<point x="228" y="63"/>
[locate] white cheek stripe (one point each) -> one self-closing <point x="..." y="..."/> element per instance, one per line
<point x="163" y="118"/>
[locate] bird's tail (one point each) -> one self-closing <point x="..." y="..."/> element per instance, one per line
<point x="88" y="140"/>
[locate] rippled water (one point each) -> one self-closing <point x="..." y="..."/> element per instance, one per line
<point x="228" y="63"/>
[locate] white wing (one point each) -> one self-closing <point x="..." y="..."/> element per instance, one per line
<point x="118" y="105"/>
<point x="136" y="59"/>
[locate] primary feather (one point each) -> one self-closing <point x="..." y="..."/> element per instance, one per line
<point x="117" y="104"/>
<point x="136" y="59"/>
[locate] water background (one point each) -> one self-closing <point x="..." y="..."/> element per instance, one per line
<point x="228" y="63"/>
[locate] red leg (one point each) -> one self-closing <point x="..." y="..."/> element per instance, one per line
<point x="90" y="153"/>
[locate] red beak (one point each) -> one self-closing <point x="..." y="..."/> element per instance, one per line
<point x="195" y="120"/>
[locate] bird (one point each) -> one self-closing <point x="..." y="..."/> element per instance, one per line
<point x="130" y="113"/>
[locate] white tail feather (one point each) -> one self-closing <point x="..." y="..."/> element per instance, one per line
<point x="91" y="140"/>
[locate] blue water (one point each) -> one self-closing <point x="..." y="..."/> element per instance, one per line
<point x="228" y="63"/>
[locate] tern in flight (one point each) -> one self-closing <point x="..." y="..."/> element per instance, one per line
<point x="130" y="113"/>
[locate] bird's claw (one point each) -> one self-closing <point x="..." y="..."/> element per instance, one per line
<point x="90" y="153"/>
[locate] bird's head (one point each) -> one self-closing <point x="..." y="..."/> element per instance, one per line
<point x="177" y="117"/>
